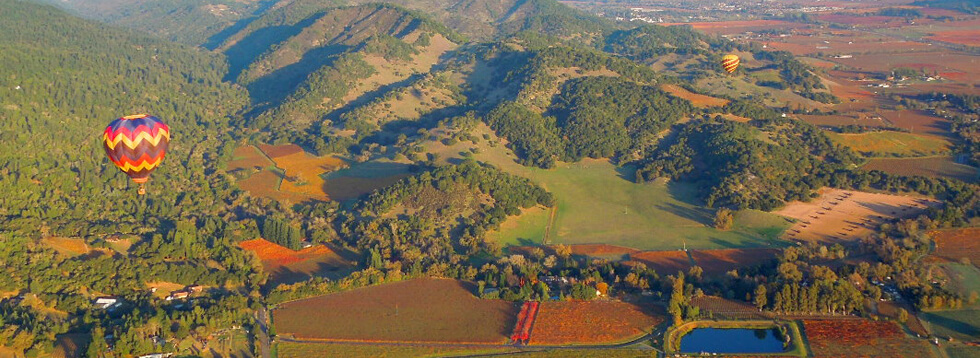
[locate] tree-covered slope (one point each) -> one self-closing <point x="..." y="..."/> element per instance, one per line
<point x="62" y="81"/>
<point x="192" y="22"/>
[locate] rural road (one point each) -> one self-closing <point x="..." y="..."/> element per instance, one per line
<point x="263" y="333"/>
<point x="522" y="348"/>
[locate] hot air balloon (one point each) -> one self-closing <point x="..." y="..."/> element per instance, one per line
<point x="730" y="63"/>
<point x="136" y="144"/>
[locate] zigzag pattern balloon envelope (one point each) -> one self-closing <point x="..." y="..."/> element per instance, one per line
<point x="136" y="144"/>
<point x="730" y="63"/>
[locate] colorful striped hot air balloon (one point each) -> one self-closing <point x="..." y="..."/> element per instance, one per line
<point x="730" y="63"/>
<point x="136" y="144"/>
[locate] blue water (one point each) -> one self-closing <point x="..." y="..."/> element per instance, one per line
<point x="731" y="340"/>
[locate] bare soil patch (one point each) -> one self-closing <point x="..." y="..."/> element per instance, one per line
<point x="845" y="215"/>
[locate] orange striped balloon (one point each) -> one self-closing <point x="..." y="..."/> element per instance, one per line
<point x="136" y="145"/>
<point x="730" y="63"/>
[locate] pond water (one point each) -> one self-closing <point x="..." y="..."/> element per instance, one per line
<point x="731" y="340"/>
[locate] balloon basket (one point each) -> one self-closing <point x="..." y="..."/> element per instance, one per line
<point x="142" y="190"/>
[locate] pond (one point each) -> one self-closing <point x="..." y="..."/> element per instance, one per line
<point x="731" y="340"/>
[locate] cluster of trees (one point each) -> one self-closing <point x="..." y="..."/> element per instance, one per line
<point x="759" y="165"/>
<point x="444" y="213"/>
<point x="282" y="232"/>
<point x="796" y="75"/>
<point x="647" y="42"/>
<point x="596" y="117"/>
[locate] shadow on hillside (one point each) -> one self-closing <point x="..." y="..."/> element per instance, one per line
<point x="276" y="86"/>
<point x="249" y="48"/>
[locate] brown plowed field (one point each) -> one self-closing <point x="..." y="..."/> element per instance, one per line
<point x="664" y="262"/>
<point x="421" y="310"/>
<point x="275" y="151"/>
<point x="248" y="157"/>
<point x="721" y="261"/>
<point x="698" y="100"/>
<point x="861" y="338"/>
<point x="956" y="244"/>
<point x="600" y="250"/>
<point x="962" y="37"/>
<point x="932" y="167"/>
<point x="592" y="322"/>
<point x="844" y="215"/>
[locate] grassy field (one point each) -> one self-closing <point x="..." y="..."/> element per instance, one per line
<point x="962" y="325"/>
<point x="422" y="310"/>
<point x="596" y="204"/>
<point x="963" y="279"/>
<point x="963" y="352"/>
<point x="892" y="144"/>
<point x="529" y="228"/>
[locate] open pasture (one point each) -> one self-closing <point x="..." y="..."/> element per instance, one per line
<point x="738" y="27"/>
<point x="285" y="265"/>
<point x="962" y="325"/>
<point x="810" y="42"/>
<point x="861" y="338"/>
<point x="592" y="322"/>
<point x="863" y="21"/>
<point x="932" y="167"/>
<point x="893" y="144"/>
<point x="845" y="215"/>
<point x="698" y="100"/>
<point x="957" y="244"/>
<point x="720" y="261"/>
<point x="598" y="203"/>
<point x="67" y="246"/>
<point x="421" y="310"/>
<point x="964" y="280"/>
<point x="664" y="262"/>
<point x="528" y="228"/>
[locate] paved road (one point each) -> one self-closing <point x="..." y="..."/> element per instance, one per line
<point x="522" y="348"/>
<point x="263" y="333"/>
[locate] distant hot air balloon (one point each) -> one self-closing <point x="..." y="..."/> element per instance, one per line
<point x="730" y="63"/>
<point x="136" y="144"/>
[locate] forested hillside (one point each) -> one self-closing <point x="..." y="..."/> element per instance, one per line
<point x="187" y="21"/>
<point x="62" y="81"/>
<point x="454" y="120"/>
